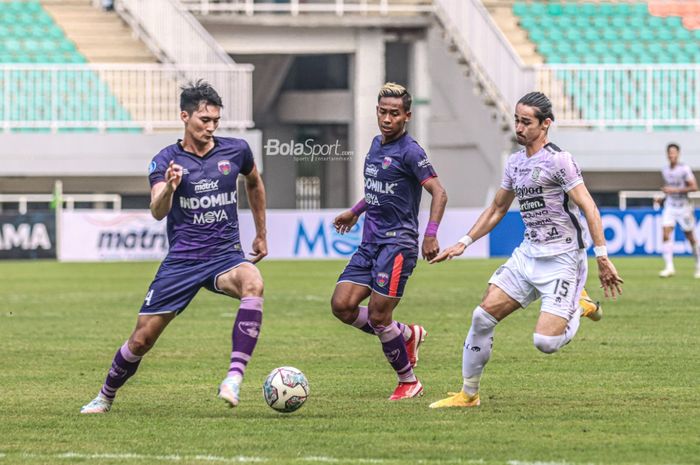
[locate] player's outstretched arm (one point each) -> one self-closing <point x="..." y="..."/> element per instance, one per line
<point x="256" y="198"/>
<point x="610" y="280"/>
<point x="431" y="247"/>
<point x="346" y="220"/>
<point x="488" y="220"/>
<point x="162" y="192"/>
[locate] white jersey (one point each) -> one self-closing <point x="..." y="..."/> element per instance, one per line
<point x="678" y="176"/>
<point x="541" y="183"/>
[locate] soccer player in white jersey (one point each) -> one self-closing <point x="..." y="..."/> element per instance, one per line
<point x="550" y="263"/>
<point x="678" y="181"/>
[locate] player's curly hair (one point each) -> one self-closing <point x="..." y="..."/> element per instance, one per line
<point x="541" y="104"/>
<point x="392" y="89"/>
<point x="194" y="93"/>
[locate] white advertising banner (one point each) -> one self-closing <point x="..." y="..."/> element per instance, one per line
<point x="98" y="235"/>
<point x="291" y="234"/>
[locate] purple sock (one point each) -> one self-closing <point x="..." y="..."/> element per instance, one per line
<point x="124" y="366"/>
<point x="362" y="323"/>
<point x="394" y="349"/>
<point x="245" y="334"/>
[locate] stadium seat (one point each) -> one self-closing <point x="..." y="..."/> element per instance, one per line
<point x="28" y="34"/>
<point x="633" y="32"/>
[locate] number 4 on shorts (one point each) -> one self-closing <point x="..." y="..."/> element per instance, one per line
<point x="148" y="297"/>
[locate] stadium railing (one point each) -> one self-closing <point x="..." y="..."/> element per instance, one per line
<point x="297" y="7"/>
<point x="651" y="96"/>
<point x="171" y="31"/>
<point x="654" y="196"/>
<point x="488" y="55"/>
<point x="105" y="97"/>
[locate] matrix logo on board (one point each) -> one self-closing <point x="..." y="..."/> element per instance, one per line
<point x="143" y="239"/>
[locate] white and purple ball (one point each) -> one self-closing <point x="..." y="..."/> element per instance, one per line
<point x="286" y="389"/>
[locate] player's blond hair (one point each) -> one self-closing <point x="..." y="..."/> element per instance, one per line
<point x="392" y="89"/>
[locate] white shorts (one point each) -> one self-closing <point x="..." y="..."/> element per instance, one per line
<point x="684" y="216"/>
<point x="558" y="280"/>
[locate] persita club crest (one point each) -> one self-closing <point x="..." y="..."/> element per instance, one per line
<point x="224" y="167"/>
<point x="382" y="279"/>
<point x="386" y="163"/>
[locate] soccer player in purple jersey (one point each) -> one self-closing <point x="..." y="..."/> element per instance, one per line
<point x="193" y="183"/>
<point x="550" y="263"/>
<point x="396" y="170"/>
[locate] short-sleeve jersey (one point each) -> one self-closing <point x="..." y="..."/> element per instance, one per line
<point x="541" y="183"/>
<point x="203" y="220"/>
<point x="394" y="175"/>
<point x="678" y="176"/>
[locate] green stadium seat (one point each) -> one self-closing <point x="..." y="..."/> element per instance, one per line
<point x="554" y="9"/>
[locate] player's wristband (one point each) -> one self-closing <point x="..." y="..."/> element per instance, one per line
<point x="431" y="229"/>
<point x="600" y="251"/>
<point x="466" y="240"/>
<point x="359" y="208"/>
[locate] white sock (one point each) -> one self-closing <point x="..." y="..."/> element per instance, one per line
<point x="667" y="252"/>
<point x="696" y="252"/>
<point x="477" y="349"/>
<point x="572" y="328"/>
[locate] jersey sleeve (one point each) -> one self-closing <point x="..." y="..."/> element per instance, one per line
<point x="248" y="161"/>
<point x="418" y="163"/>
<point x="157" y="169"/>
<point x="566" y="173"/>
<point x="689" y="176"/>
<point x="507" y="181"/>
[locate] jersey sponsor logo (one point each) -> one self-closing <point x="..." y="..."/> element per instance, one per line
<point x="205" y="185"/>
<point x="382" y="279"/>
<point x="152" y="167"/>
<point x="424" y="163"/>
<point x="251" y="328"/>
<point x="522" y="192"/>
<point x="372" y="199"/>
<point x="208" y="201"/>
<point x="533" y="203"/>
<point x="210" y="217"/>
<point x="386" y="163"/>
<point x="224" y="167"/>
<point x="371" y="170"/>
<point x="380" y="186"/>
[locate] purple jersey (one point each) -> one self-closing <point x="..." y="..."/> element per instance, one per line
<point x="203" y="221"/>
<point x="394" y="176"/>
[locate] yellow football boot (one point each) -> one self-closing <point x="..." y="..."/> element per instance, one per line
<point x="461" y="399"/>
<point x="589" y="308"/>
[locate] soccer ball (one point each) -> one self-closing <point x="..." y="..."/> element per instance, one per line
<point x="285" y="389"/>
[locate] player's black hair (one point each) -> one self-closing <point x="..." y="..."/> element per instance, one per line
<point x="541" y="104"/>
<point x="197" y="92"/>
<point x="392" y="89"/>
<point x="672" y="145"/>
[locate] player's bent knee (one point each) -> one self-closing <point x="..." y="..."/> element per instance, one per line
<point x="253" y="288"/>
<point x="548" y="344"/>
<point x="140" y="344"/>
<point x="341" y="309"/>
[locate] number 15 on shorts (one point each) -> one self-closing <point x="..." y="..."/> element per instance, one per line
<point x="561" y="287"/>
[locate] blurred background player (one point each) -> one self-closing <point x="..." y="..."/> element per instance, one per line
<point x="193" y="183"/>
<point x="678" y="181"/>
<point x="551" y="261"/>
<point x="396" y="170"/>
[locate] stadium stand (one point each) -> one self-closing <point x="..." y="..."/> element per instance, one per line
<point x="628" y="33"/>
<point x="30" y="36"/>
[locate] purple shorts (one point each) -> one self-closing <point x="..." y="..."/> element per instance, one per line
<point x="178" y="280"/>
<point x="384" y="268"/>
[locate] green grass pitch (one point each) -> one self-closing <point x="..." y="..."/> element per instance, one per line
<point x="626" y="391"/>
